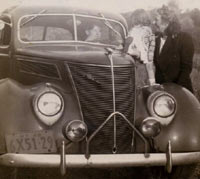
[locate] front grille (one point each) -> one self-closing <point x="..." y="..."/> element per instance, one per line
<point x="94" y="88"/>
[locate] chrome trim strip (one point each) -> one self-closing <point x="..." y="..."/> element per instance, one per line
<point x="98" y="65"/>
<point x="69" y="41"/>
<point x="135" y="108"/>
<point x="62" y="159"/>
<point x="116" y="160"/>
<point x="4" y="55"/>
<point x="169" y="162"/>
<point x="75" y="28"/>
<point x="78" y="15"/>
<point x="4" y="47"/>
<point x="114" y="150"/>
<point x="75" y="90"/>
<point x="58" y="72"/>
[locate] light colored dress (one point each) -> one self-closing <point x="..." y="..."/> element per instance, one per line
<point x="144" y="42"/>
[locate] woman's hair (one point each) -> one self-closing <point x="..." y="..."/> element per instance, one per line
<point x="140" y="17"/>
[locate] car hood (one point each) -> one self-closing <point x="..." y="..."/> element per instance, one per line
<point x="77" y="54"/>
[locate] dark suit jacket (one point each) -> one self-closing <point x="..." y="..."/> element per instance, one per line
<point x="174" y="62"/>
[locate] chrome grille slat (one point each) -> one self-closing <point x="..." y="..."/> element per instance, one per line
<point x="94" y="88"/>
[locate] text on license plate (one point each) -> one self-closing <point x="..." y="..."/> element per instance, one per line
<point x="31" y="142"/>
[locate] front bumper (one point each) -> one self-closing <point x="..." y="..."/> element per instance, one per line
<point x="113" y="160"/>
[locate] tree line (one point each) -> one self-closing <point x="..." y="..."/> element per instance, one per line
<point x="189" y="20"/>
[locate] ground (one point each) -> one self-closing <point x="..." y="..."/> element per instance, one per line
<point x="111" y="173"/>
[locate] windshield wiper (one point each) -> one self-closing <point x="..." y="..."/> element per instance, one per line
<point x="108" y="24"/>
<point x="32" y="18"/>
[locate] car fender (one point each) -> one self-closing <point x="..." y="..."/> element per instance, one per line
<point x="184" y="130"/>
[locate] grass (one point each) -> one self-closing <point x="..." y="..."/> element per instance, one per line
<point x="195" y="75"/>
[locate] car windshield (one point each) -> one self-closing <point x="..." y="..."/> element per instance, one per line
<point x="62" y="28"/>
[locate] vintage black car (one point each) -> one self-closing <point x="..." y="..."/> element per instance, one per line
<point x="69" y="96"/>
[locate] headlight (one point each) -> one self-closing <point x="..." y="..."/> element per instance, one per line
<point x="75" y="130"/>
<point x="163" y="106"/>
<point x="48" y="105"/>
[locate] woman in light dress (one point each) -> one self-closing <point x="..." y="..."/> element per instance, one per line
<point x="142" y="47"/>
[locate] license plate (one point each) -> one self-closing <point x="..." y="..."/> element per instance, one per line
<point x="31" y="142"/>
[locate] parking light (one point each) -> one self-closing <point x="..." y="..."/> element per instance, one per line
<point x="75" y="130"/>
<point x="150" y="127"/>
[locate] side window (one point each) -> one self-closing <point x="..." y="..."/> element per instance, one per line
<point x="46" y="28"/>
<point x="5" y="32"/>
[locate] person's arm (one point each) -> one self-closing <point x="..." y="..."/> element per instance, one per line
<point x="186" y="57"/>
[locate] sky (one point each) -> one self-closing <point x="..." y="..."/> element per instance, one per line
<point x="129" y="5"/>
<point x="117" y="5"/>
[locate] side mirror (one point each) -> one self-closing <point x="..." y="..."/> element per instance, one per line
<point x="128" y="41"/>
<point x="2" y="24"/>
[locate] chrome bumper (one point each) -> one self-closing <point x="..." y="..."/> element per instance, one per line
<point x="113" y="160"/>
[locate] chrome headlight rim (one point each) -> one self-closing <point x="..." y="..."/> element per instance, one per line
<point x="150" y="106"/>
<point x="172" y="98"/>
<point x="50" y="92"/>
<point x="48" y="120"/>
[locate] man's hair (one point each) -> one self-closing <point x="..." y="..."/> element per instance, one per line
<point x="165" y="13"/>
<point x="169" y="17"/>
<point x="174" y="27"/>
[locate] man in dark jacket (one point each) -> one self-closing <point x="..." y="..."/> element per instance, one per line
<point x="173" y="53"/>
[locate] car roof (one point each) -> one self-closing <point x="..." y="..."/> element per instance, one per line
<point x="59" y="8"/>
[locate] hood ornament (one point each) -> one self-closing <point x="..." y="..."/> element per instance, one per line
<point x="109" y="51"/>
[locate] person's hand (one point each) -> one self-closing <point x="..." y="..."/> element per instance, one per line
<point x="135" y="53"/>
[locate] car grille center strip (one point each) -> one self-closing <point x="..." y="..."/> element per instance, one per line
<point x="114" y="150"/>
